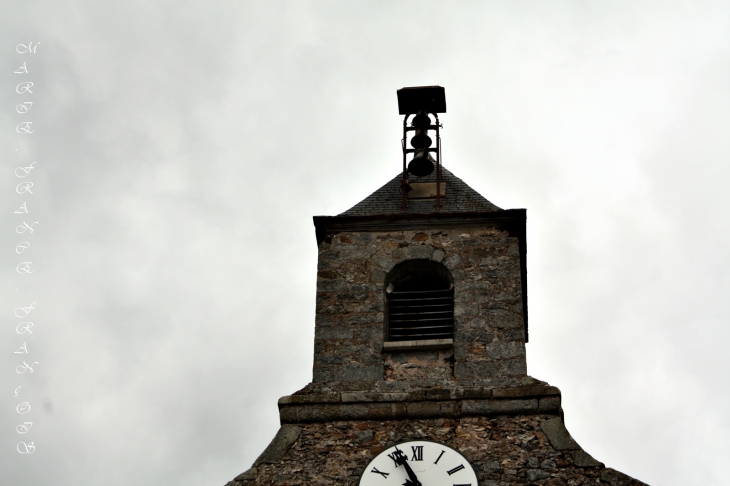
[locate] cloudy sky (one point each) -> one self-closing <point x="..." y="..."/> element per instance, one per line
<point x="181" y="149"/>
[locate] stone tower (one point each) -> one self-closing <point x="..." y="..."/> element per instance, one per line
<point x="420" y="332"/>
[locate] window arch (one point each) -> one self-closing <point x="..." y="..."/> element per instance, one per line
<point x="419" y="301"/>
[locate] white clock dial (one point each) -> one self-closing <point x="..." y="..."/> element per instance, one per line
<point x="419" y="463"/>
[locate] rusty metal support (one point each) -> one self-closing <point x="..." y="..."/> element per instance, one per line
<point x="438" y="163"/>
<point x="404" y="181"/>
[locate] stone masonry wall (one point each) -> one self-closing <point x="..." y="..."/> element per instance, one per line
<point x="489" y="340"/>
<point x="504" y="450"/>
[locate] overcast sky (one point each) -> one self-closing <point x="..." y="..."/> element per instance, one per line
<point x="182" y="148"/>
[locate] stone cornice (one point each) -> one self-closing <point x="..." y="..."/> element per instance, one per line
<point x="430" y="403"/>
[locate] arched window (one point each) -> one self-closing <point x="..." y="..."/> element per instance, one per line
<point x="420" y="301"/>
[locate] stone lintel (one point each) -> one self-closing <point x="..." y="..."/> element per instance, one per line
<point x="421" y="345"/>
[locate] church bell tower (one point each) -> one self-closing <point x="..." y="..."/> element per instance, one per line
<point x="420" y="376"/>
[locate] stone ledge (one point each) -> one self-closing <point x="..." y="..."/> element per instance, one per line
<point x="525" y="391"/>
<point x="499" y="407"/>
<point x="366" y="397"/>
<point x="548" y="396"/>
<point x="313" y="398"/>
<point x="422" y="345"/>
<point x="293" y="413"/>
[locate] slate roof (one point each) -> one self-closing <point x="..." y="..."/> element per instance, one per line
<point x="459" y="198"/>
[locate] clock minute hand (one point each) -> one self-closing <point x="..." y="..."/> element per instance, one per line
<point x="402" y="460"/>
<point x="413" y="479"/>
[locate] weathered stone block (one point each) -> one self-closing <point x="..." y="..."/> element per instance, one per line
<point x="289" y="415"/>
<point x="377" y="276"/>
<point x="536" y="474"/>
<point x="331" y="285"/>
<point x="463" y="297"/>
<point x="504" y="322"/>
<point x="548" y="465"/>
<point x="582" y="459"/>
<point x="492" y="407"/>
<point x="331" y="332"/>
<point x="615" y="478"/>
<point x="365" y="435"/>
<point x="423" y="409"/>
<point x="378" y="411"/>
<point x="248" y="475"/>
<point x="515" y="367"/>
<point x="374" y="334"/>
<point x="505" y="349"/>
<point x="353" y="296"/>
<point x="466" y="285"/>
<point x="283" y="440"/>
<point x="525" y="391"/>
<point x="438" y="394"/>
<point x="373" y="397"/>
<point x="475" y="369"/>
<point x="461" y="309"/>
<point x="492" y="262"/>
<point x="322" y="374"/>
<point x="514" y="334"/>
<point x="326" y="254"/>
<point x="452" y="261"/>
<point x="385" y="262"/>
<point x="458" y="274"/>
<point x="550" y="405"/>
<point x="328" y="359"/>
<point x="369" y="318"/>
<point x="489" y="250"/>
<point x="475" y="393"/>
<point x="474" y="323"/>
<point x="420" y="252"/>
<point x="558" y="435"/>
<point x="460" y="351"/>
<point x="360" y="373"/>
<point x="475" y="339"/>
<point x="311" y="413"/>
<point x="310" y="398"/>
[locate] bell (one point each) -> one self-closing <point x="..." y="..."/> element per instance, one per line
<point x="420" y="141"/>
<point x="420" y="121"/>
<point x="422" y="164"/>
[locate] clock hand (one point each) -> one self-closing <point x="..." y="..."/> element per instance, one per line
<point x="402" y="460"/>
<point x="413" y="481"/>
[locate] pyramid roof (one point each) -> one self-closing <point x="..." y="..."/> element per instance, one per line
<point x="458" y="198"/>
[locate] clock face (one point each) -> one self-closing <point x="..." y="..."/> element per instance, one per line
<point x="419" y="462"/>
